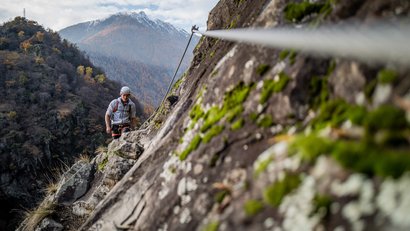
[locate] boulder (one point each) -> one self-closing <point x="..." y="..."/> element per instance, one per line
<point x="49" y="225"/>
<point x="74" y="183"/>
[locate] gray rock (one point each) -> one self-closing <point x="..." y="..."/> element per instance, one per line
<point x="49" y="225"/>
<point x="126" y="149"/>
<point x="74" y="183"/>
<point x="117" y="167"/>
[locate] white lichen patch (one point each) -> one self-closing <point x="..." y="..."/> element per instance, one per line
<point x="355" y="211"/>
<point x="279" y="162"/>
<point x="393" y="201"/>
<point x="231" y="72"/>
<point x="269" y="223"/>
<point x="186" y="185"/>
<point x="170" y="167"/>
<point x="382" y="94"/>
<point x="198" y="169"/>
<point x="297" y="208"/>
<point x="350" y="187"/>
<point x="278" y="68"/>
<point x="248" y="71"/>
<point x="185" y="216"/>
<point x="229" y="55"/>
<point x="163" y="192"/>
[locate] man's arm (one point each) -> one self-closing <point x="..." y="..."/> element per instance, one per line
<point x="107" y="123"/>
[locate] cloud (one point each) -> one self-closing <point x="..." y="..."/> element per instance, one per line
<point x="60" y="14"/>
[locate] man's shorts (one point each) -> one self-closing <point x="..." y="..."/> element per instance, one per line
<point x="117" y="130"/>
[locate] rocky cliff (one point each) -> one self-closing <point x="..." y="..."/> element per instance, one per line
<point x="266" y="139"/>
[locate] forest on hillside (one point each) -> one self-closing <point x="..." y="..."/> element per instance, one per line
<point x="52" y="106"/>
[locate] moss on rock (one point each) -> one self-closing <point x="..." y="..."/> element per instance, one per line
<point x="214" y="131"/>
<point x="252" y="207"/>
<point x="265" y="121"/>
<point x="274" y="193"/>
<point x="262" y="69"/>
<point x="238" y="124"/>
<point x="271" y="86"/>
<point x="296" y="12"/>
<point x="386" y="76"/>
<point x="191" y="147"/>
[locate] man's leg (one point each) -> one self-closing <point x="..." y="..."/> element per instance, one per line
<point x="115" y="132"/>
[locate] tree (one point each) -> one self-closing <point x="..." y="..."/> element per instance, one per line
<point x="25" y="45"/>
<point x="89" y="71"/>
<point x="40" y="36"/>
<point x="100" y="78"/>
<point x="80" y="70"/>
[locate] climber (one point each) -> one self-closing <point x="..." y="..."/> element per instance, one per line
<point x="120" y="116"/>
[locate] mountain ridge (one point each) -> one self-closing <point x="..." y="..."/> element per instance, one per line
<point x="134" y="37"/>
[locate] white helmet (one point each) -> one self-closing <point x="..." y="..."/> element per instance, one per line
<point x="125" y="90"/>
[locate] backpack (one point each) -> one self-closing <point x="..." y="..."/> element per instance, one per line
<point x="116" y="108"/>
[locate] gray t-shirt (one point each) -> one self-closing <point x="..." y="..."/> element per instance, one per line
<point x="121" y="113"/>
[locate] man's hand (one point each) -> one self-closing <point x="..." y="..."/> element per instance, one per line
<point x="108" y="130"/>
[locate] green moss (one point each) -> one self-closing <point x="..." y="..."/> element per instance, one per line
<point x="295" y="12"/>
<point x="372" y="159"/>
<point x="292" y="57"/>
<point x="270" y="86"/>
<point x="191" y="147"/>
<point x="283" y="54"/>
<point x="178" y="82"/>
<point x="253" y="116"/>
<point x="233" y="113"/>
<point x="262" y="69"/>
<point x="233" y="23"/>
<point x="386" y="76"/>
<point x="237" y="124"/>
<point x="274" y="193"/>
<point x="335" y="112"/>
<point x="239" y="2"/>
<point x="386" y="117"/>
<point x="196" y="113"/>
<point x="252" y="207"/>
<point x="213" y="115"/>
<point x="214" y="73"/>
<point x="369" y="89"/>
<point x="214" y="131"/>
<point x="212" y="54"/>
<point x="360" y="156"/>
<point x="318" y="90"/>
<point x="288" y="53"/>
<point x="265" y="121"/>
<point x="262" y="167"/>
<point x="237" y="96"/>
<point x="232" y="106"/>
<point x="310" y="147"/>
<point x="220" y="196"/>
<point x="212" y="226"/>
<point x="321" y="202"/>
<point x="103" y="163"/>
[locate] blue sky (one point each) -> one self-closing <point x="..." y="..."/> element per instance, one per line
<point x="60" y="14"/>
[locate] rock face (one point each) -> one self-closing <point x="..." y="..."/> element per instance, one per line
<point x="83" y="186"/>
<point x="265" y="139"/>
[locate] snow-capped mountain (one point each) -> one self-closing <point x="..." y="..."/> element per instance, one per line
<point x="128" y="37"/>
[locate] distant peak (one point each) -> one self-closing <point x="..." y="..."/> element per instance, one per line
<point x="140" y="14"/>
